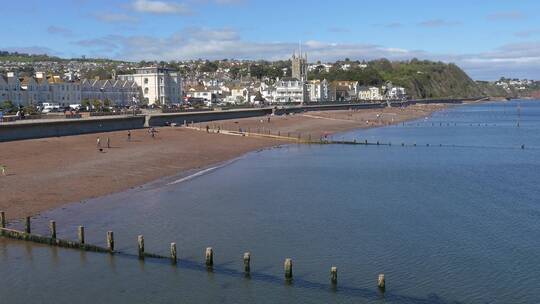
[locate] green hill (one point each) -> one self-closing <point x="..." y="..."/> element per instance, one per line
<point x="421" y="79"/>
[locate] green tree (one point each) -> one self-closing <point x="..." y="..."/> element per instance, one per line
<point x="85" y="103"/>
<point x="96" y="104"/>
<point x="8" y="106"/>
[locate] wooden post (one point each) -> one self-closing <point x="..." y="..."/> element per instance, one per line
<point x="288" y="268"/>
<point x="81" y="234"/>
<point x="27" y="227"/>
<point x="333" y="275"/>
<point x="381" y="282"/>
<point x="110" y="241"/>
<point x="140" y="240"/>
<point x="247" y="259"/>
<point x="52" y="228"/>
<point x="209" y="257"/>
<point x="2" y="219"/>
<point x="173" y="253"/>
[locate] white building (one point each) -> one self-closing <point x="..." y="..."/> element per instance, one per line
<point x="161" y="85"/>
<point x="396" y="93"/>
<point x="64" y="92"/>
<point x="290" y="90"/>
<point x="12" y="89"/>
<point x="369" y="93"/>
<point x="117" y="92"/>
<point x="319" y="90"/>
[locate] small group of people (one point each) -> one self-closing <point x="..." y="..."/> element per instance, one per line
<point x="20" y="114"/>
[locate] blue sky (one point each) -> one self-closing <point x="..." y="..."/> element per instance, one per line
<point x="488" y="39"/>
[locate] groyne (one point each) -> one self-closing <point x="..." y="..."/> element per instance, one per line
<point x="142" y="254"/>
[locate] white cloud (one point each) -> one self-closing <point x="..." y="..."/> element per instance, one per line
<point x="515" y="60"/>
<point x="438" y="23"/>
<point x="507" y="16"/>
<point x="57" y="30"/>
<point x="116" y="18"/>
<point x="160" y="7"/>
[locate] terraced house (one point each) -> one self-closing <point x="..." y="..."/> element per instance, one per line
<point x="117" y="92"/>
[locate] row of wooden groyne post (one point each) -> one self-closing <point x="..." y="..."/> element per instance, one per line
<point x="303" y="140"/>
<point x="81" y="244"/>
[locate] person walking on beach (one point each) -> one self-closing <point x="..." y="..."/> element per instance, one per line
<point x="3" y="170"/>
<point x="207" y="129"/>
<point x="153" y="132"/>
<point x="108" y="143"/>
<point x="129" y="135"/>
<point x="98" y="143"/>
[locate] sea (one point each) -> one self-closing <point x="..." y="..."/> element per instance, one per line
<point x="447" y="207"/>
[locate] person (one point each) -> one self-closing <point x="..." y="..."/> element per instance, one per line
<point x="18" y="114"/>
<point x="129" y="135"/>
<point x="108" y="143"/>
<point x="98" y="143"/>
<point x="3" y="169"/>
<point x="153" y="132"/>
<point x="207" y="129"/>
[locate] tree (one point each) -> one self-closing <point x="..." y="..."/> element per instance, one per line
<point x="85" y="103"/>
<point x="8" y="106"/>
<point x="96" y="104"/>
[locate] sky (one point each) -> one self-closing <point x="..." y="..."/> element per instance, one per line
<point x="487" y="38"/>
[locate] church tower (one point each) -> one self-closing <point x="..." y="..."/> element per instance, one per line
<point x="299" y="66"/>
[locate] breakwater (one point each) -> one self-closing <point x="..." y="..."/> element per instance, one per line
<point x="81" y="244"/>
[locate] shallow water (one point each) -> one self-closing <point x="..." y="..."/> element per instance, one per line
<point x="457" y="223"/>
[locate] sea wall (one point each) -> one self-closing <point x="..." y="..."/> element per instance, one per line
<point x="64" y="127"/>
<point x="54" y="128"/>
<point x="158" y="120"/>
<point x="328" y="107"/>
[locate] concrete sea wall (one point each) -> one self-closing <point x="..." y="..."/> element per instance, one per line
<point x="157" y="120"/>
<point x="65" y="127"/>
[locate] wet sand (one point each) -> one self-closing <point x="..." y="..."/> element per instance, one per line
<point x="43" y="174"/>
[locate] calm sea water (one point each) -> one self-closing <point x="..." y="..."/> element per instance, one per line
<point x="458" y="223"/>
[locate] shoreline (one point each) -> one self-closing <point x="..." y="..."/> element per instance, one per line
<point x="200" y="151"/>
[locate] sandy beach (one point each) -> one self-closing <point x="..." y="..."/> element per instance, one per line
<point x="43" y="174"/>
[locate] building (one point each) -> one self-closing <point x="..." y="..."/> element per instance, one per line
<point x="63" y="92"/>
<point x="369" y="93"/>
<point x="290" y="90"/>
<point x="318" y="90"/>
<point x="396" y="93"/>
<point x="159" y="85"/>
<point x="12" y="89"/>
<point x="299" y="66"/>
<point x="117" y="92"/>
